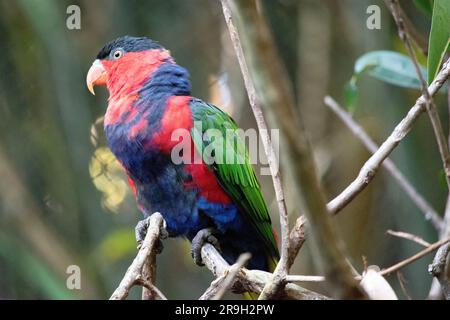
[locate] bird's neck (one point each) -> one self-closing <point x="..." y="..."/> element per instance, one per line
<point x="168" y="80"/>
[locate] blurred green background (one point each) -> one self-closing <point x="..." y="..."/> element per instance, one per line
<point x="63" y="200"/>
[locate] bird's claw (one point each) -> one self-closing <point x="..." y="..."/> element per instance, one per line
<point x="201" y="238"/>
<point x="141" y="232"/>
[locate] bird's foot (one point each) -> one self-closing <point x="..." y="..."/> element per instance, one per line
<point x="141" y="232"/>
<point x="201" y="238"/>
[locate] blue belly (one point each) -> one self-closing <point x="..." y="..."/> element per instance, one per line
<point x="160" y="187"/>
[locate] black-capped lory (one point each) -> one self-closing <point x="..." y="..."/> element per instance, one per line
<point x="202" y="199"/>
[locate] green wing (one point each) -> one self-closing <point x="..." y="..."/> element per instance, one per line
<point x="216" y="138"/>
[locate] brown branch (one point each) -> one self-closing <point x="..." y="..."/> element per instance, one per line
<point x="438" y="269"/>
<point x="282" y="267"/>
<point x="213" y="288"/>
<point x="388" y="164"/>
<point x="409" y="236"/>
<point x="253" y="280"/>
<point x="301" y="278"/>
<point x="439" y="262"/>
<point x="133" y="275"/>
<point x="232" y="273"/>
<point x="222" y="284"/>
<point x="154" y="292"/>
<point x="148" y="275"/>
<point x="235" y="276"/>
<point x="402" y="281"/>
<point x="415" y="257"/>
<point x="395" y="9"/>
<point x="371" y="166"/>
<point x="441" y="283"/>
<point x="297" y="237"/>
<point x="274" y="88"/>
<point x="419" y="39"/>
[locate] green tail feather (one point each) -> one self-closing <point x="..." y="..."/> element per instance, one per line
<point x="250" y="296"/>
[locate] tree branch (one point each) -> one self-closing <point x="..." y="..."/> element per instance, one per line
<point x="216" y="285"/>
<point x="415" y="257"/>
<point x="409" y="236"/>
<point x="148" y="276"/>
<point x="371" y="166"/>
<point x="439" y="268"/>
<point x="300" y="278"/>
<point x="439" y="263"/>
<point x="235" y="276"/>
<point x="253" y="280"/>
<point x="223" y="283"/>
<point x="419" y="39"/>
<point x="282" y="267"/>
<point x="388" y="164"/>
<point x="133" y="275"/>
<point x="274" y="89"/>
<point x="153" y="292"/>
<point x="395" y="9"/>
<point x="297" y="237"/>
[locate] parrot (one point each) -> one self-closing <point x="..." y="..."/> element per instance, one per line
<point x="203" y="201"/>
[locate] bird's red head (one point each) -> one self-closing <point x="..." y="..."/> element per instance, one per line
<point x="124" y="64"/>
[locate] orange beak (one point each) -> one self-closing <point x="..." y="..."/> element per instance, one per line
<point x="96" y="76"/>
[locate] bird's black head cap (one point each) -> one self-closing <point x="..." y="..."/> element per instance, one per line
<point x="128" y="44"/>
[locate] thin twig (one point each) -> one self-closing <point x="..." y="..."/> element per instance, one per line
<point x="282" y="268"/>
<point x="409" y="236"/>
<point x="415" y="257"/>
<point x="222" y="284"/>
<point x="134" y="273"/>
<point x="402" y="281"/>
<point x="438" y="269"/>
<point x="232" y="273"/>
<point x="371" y="166"/>
<point x="388" y="164"/>
<point x="297" y="237"/>
<point x="420" y="40"/>
<point x="148" y="275"/>
<point x="395" y="9"/>
<point x="235" y="276"/>
<point x="301" y="278"/>
<point x="155" y="293"/>
<point x="213" y="288"/>
<point x="253" y="280"/>
<point x="441" y="262"/>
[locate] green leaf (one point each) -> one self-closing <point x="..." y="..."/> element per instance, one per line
<point x="425" y="6"/>
<point x="442" y="179"/>
<point x="439" y="37"/>
<point x="351" y="94"/>
<point x="390" y="67"/>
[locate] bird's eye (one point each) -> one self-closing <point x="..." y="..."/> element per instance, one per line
<point x="117" y="54"/>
